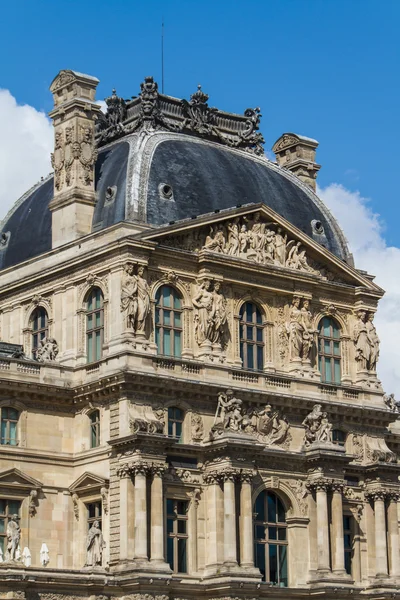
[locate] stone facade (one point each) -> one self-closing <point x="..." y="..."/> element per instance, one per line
<point x="202" y="417"/>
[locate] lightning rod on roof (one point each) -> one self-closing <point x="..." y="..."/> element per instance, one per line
<point x="162" y="56"/>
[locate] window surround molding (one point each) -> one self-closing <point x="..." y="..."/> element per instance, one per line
<point x="177" y="493"/>
<point x="187" y="418"/>
<point x="288" y="496"/>
<point x="88" y="488"/>
<point x="267" y="324"/>
<point x="345" y="340"/>
<point x="92" y="281"/>
<point x="186" y="308"/>
<point x="17" y="485"/>
<point x="36" y="302"/>
<point x="22" y="428"/>
<point x="86" y="412"/>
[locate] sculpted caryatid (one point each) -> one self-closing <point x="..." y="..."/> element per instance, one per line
<point x="317" y="426"/>
<point x="203" y="301"/>
<point x="295" y="330"/>
<point x="94" y="546"/>
<point x="13" y="537"/>
<point x="373" y="341"/>
<point x="135" y="298"/>
<point x="219" y="316"/>
<point x="360" y="337"/>
<point x="308" y="330"/>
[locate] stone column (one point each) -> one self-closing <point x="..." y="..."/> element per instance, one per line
<point x="157" y="517"/>
<point x="126" y="499"/>
<point x="381" y="567"/>
<point x="193" y="529"/>
<point x="212" y="559"/>
<point x="393" y="530"/>
<point x="140" y="513"/>
<point x="322" y="526"/>
<point x="229" y="519"/>
<point x="246" y="522"/>
<point x="337" y="530"/>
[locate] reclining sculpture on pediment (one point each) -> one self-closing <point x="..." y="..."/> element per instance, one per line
<point x="143" y="418"/>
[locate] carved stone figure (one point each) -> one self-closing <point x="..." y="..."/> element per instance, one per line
<point x="373" y="341"/>
<point x="48" y="350"/>
<point x="219" y="317"/>
<point x="360" y="337"/>
<point x="198" y="115"/>
<point x="308" y="334"/>
<point x="229" y="414"/>
<point x="272" y="426"/>
<point x="86" y="152"/>
<point x="203" y="302"/>
<point x="135" y="298"/>
<point x="57" y="159"/>
<point x="197" y="427"/>
<point x="94" y="546"/>
<point x="391" y="402"/>
<point x="280" y="247"/>
<point x="317" y="426"/>
<point x="295" y="330"/>
<point x="13" y="538"/>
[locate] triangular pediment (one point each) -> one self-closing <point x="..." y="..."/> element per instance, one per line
<point x="257" y="234"/>
<point x="17" y="479"/>
<point x="88" y="481"/>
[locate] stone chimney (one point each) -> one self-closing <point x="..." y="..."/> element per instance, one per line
<point x="74" y="115"/>
<point x="297" y="154"/>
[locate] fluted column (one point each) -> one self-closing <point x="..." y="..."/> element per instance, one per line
<point x="337" y="529"/>
<point x="229" y="519"/>
<point x="322" y="526"/>
<point x="393" y="529"/>
<point x="157" y="516"/>
<point x="213" y="499"/>
<point x="381" y="565"/>
<point x="140" y="513"/>
<point x="246" y="522"/>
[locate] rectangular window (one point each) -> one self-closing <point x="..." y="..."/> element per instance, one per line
<point x="9" y="422"/>
<point x="8" y="508"/>
<point x="177" y="534"/>
<point x="94" y="513"/>
<point x="348" y="542"/>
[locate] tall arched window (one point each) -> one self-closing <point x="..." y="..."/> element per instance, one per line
<point x="39" y="326"/>
<point x="329" y="350"/>
<point x="251" y="334"/>
<point x="168" y="322"/>
<point x="94" y="324"/>
<point x="270" y="538"/>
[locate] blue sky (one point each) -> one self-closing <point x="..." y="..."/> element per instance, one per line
<point x="328" y="69"/>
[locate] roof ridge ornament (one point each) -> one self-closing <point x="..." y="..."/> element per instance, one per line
<point x="152" y="110"/>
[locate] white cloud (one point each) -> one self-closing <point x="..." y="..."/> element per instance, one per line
<point x="26" y="140"/>
<point x="364" y="231"/>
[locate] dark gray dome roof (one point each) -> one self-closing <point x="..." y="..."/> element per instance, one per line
<point x="200" y="175"/>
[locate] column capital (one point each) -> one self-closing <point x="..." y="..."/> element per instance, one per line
<point x="157" y="470"/>
<point x="319" y="485"/>
<point x="246" y="475"/>
<point x="378" y="494"/>
<point x="337" y="486"/>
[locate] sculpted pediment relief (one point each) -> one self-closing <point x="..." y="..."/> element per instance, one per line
<point x="14" y="478"/>
<point x="260" y="236"/>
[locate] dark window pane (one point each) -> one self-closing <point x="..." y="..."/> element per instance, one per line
<point x="273" y="563"/>
<point x="259" y="335"/>
<point x="272" y="533"/>
<point x="259" y="507"/>
<point x="170" y="525"/>
<point x="260" y="357"/>
<point x="271" y="508"/>
<point x="182" y="555"/>
<point x="250" y="359"/>
<point x="260" y="532"/>
<point x="170" y="552"/>
<point x="170" y="506"/>
<point x="281" y="511"/>
<point x="260" y="559"/>
<point x="249" y="312"/>
<point x="181" y="526"/>
<point x="182" y="507"/>
<point x="283" y="575"/>
<point x="281" y="534"/>
<point x="249" y="332"/>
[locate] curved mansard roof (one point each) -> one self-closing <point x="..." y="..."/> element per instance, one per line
<point x="155" y="172"/>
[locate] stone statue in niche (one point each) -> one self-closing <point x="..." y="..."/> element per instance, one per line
<point x="211" y="316"/>
<point x="317" y="427"/>
<point x="94" y="546"/>
<point x="13" y="538"/>
<point x="366" y="341"/>
<point x="48" y="350"/>
<point x="135" y="298"/>
<point x="300" y="330"/>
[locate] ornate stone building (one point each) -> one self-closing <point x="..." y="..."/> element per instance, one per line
<point x="189" y="399"/>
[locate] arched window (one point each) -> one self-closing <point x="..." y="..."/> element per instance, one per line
<point x="9" y="423"/>
<point x="94" y="418"/>
<point x="251" y="333"/>
<point x="175" y="422"/>
<point x="270" y="538"/>
<point x="94" y="324"/>
<point x="329" y="350"/>
<point x="168" y="321"/>
<point x="39" y="326"/>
